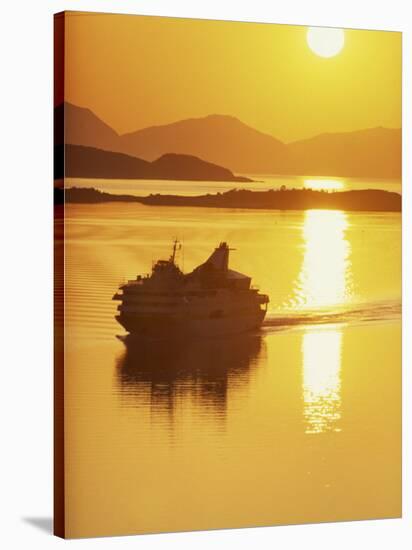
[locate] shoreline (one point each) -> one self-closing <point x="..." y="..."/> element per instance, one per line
<point x="368" y="200"/>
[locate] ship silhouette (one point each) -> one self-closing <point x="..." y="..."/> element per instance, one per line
<point x="210" y="300"/>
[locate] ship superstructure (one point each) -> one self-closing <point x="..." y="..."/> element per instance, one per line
<point x="212" y="299"/>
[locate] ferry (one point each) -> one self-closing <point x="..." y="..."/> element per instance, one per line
<point x="210" y="300"/>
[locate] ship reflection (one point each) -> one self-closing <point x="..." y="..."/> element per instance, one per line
<point x="169" y="375"/>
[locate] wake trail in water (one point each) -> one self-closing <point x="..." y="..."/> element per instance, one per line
<point x="359" y="313"/>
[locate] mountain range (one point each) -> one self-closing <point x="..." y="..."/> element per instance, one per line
<point x="227" y="142"/>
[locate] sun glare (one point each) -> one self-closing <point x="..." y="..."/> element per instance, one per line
<point x="323" y="184"/>
<point x="325" y="41"/>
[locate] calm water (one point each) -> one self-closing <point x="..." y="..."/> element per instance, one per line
<point x="297" y="423"/>
<point x="260" y="183"/>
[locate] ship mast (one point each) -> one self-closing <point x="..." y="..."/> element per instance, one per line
<point x="176" y="246"/>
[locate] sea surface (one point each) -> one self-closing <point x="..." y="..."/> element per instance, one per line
<point x="299" y="422"/>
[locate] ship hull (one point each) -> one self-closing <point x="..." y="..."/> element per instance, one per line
<point x="156" y="326"/>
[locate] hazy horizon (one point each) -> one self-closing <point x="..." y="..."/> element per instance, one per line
<point x="264" y="74"/>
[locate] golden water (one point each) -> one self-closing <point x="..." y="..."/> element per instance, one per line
<point x="299" y="422"/>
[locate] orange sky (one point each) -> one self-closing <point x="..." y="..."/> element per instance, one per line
<point x="136" y="71"/>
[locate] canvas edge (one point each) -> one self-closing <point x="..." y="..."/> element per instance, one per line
<point x="59" y="528"/>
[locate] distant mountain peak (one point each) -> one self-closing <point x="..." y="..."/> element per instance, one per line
<point x="87" y="111"/>
<point x="219" y="116"/>
<point x="224" y="140"/>
<point x="83" y="127"/>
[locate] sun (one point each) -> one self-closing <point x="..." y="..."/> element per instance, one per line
<point x="325" y="41"/>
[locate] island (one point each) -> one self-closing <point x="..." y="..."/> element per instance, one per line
<point x="367" y="200"/>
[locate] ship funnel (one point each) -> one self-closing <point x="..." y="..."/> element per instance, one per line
<point x="220" y="257"/>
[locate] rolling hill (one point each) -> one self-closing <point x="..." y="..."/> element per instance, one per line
<point x="374" y="152"/>
<point x="78" y="161"/>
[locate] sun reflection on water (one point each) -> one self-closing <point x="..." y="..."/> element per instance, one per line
<point x="321" y="380"/>
<point x="323" y="283"/>
<point x="323" y="184"/>
<point x="325" y="277"/>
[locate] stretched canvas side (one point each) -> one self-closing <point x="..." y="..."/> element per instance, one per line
<point x="59" y="306"/>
